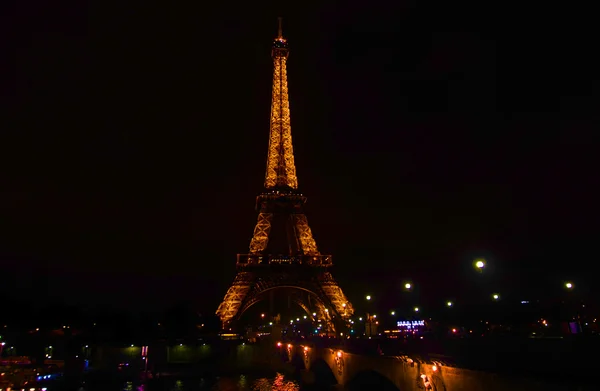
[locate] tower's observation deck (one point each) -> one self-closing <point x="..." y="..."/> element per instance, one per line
<point x="280" y="48"/>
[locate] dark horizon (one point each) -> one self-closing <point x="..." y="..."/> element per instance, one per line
<point x="136" y="147"/>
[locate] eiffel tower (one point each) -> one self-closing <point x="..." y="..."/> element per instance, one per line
<point x="283" y="253"/>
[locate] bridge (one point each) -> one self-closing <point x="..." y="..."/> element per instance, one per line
<point x="341" y="365"/>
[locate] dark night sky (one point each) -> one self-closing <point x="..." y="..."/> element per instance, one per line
<point x="424" y="137"/>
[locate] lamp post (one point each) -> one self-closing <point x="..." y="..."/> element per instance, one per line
<point x="370" y="323"/>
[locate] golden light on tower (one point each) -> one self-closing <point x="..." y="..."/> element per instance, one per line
<point x="281" y="169"/>
<point x="281" y="208"/>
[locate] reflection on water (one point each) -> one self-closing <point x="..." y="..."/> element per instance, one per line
<point x="279" y="383"/>
<point x="239" y="383"/>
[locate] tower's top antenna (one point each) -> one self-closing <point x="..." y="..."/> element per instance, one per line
<point x="280" y="46"/>
<point x="279" y="32"/>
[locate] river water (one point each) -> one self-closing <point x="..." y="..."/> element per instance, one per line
<point x="238" y="383"/>
<point x="241" y="382"/>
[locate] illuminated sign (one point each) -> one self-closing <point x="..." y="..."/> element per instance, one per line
<point x="410" y="323"/>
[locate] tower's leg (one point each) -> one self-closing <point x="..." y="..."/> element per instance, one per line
<point x="235" y="296"/>
<point x="260" y="238"/>
<point x="335" y="295"/>
<point x="304" y="234"/>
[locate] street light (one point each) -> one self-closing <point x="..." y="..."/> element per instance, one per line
<point x="496" y="296"/>
<point x="449" y="304"/>
<point x="416" y="309"/>
<point x="393" y="313"/>
<point x="479" y="264"/>
<point x="408" y="286"/>
<point x="368" y="297"/>
<point x="569" y="285"/>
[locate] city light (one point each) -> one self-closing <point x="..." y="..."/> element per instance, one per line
<point x="412" y="323"/>
<point x="569" y="285"/>
<point x="408" y="285"/>
<point x="393" y="313"/>
<point x="368" y="297"/>
<point x="449" y="304"/>
<point x="416" y="309"/>
<point x="496" y="296"/>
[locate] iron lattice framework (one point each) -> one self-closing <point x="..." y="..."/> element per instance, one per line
<point x="281" y="170"/>
<point x="300" y="267"/>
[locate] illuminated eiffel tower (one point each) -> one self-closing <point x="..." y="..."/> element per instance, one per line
<point x="283" y="253"/>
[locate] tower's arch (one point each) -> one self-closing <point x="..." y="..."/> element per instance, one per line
<point x="310" y="302"/>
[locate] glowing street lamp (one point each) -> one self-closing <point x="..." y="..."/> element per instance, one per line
<point x="496" y="296"/>
<point x="408" y="286"/>
<point x="479" y="264"/>
<point x="449" y="304"/>
<point x="393" y="313"/>
<point x="368" y="297"/>
<point x="416" y="309"/>
<point x="569" y="285"/>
